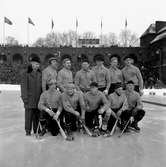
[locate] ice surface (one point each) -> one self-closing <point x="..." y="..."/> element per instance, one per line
<point x="144" y="149"/>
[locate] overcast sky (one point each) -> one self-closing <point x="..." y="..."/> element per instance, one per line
<point x="139" y="13"/>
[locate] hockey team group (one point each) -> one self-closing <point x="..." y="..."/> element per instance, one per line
<point x="96" y="101"/>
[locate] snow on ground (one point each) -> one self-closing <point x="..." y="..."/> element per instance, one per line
<point x="159" y="92"/>
<point x="9" y="87"/>
<point x="144" y="149"/>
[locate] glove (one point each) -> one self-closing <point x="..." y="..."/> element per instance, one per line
<point x="101" y="111"/>
<point x="82" y="120"/>
<point x="119" y="113"/>
<point x="50" y="112"/>
<point x="131" y="119"/>
<point x="56" y="116"/>
<point x="77" y="114"/>
<point x="105" y="91"/>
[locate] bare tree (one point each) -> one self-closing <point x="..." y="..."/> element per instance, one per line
<point x="57" y="39"/>
<point x="110" y="39"/>
<point x="71" y="38"/>
<point x="128" y="38"/>
<point x="39" y="42"/>
<point x="52" y="40"/>
<point x="11" y="41"/>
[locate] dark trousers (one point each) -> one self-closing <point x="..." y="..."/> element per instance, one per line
<point x="125" y="116"/>
<point x="138" y="115"/>
<point x="31" y="119"/>
<point x="70" y="120"/>
<point x="91" y="119"/>
<point x="49" y="123"/>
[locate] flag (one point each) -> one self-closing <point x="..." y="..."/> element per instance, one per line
<point x="101" y="24"/>
<point x="52" y="24"/>
<point x="6" y="20"/>
<point x="30" y="21"/>
<point x="126" y="23"/>
<point x="76" y="23"/>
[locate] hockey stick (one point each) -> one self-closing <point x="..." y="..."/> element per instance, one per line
<point x="124" y="128"/>
<point x="114" y="127"/>
<point x="86" y="128"/>
<point x="83" y="124"/>
<point x="60" y="128"/>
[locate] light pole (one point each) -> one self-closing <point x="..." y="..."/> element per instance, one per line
<point x="160" y="56"/>
<point x="159" y="52"/>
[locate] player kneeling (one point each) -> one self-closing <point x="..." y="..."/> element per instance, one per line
<point x="74" y="109"/>
<point x="50" y="107"/>
<point x="96" y="105"/>
<point x="135" y="107"/>
<point x="118" y="104"/>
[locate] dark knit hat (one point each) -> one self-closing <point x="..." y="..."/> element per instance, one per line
<point x="85" y="60"/>
<point x="35" y="58"/>
<point x="65" y="57"/>
<point x="98" y="57"/>
<point x="118" y="85"/>
<point x="131" y="56"/>
<point x="94" y="84"/>
<point x="130" y="82"/>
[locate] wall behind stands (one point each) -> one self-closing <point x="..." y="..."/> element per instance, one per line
<point x="19" y="54"/>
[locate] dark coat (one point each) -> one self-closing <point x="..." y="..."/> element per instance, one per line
<point x="31" y="88"/>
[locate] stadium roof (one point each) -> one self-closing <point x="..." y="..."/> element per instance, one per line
<point x="151" y="30"/>
<point x="159" y="37"/>
<point x="162" y="30"/>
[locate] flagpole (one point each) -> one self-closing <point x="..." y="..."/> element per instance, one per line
<point x="51" y="26"/>
<point x="28" y="35"/>
<point x="4" y="32"/>
<point x="101" y="32"/>
<point x="76" y="32"/>
<point x="126" y="33"/>
<point x="76" y="38"/>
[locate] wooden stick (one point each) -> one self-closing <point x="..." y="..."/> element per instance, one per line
<point x="114" y="127"/>
<point x="124" y="128"/>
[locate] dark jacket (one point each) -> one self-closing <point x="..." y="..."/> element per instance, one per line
<point x="31" y="88"/>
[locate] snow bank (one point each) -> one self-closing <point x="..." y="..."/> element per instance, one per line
<point x="9" y="87"/>
<point x="150" y="92"/>
<point x="155" y="92"/>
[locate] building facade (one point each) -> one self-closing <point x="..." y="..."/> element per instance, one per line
<point x="151" y="54"/>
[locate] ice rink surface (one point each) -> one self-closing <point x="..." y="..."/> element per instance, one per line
<point x="144" y="149"/>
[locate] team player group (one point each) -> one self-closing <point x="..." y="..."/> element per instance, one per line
<point x="97" y="97"/>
